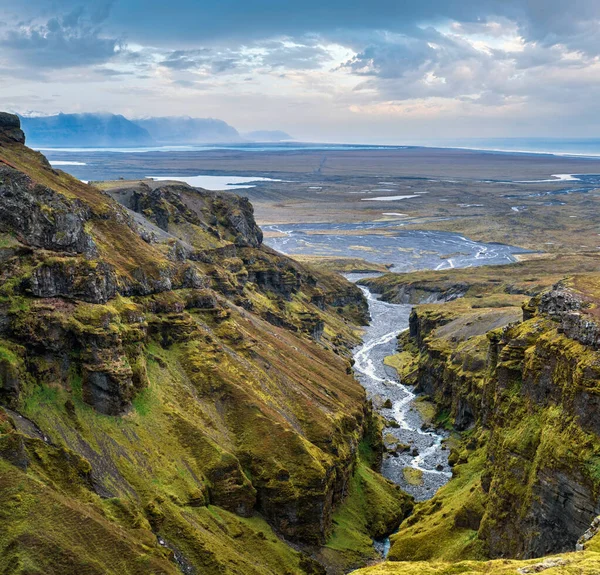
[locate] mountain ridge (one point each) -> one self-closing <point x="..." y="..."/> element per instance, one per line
<point x="93" y="130"/>
<point x="173" y="390"/>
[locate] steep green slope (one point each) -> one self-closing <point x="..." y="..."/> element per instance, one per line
<point x="176" y="396"/>
<point x="519" y="387"/>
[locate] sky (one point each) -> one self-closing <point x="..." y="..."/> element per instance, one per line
<point x="377" y="71"/>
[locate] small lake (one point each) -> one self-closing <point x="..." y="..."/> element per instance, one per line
<point x="216" y="183"/>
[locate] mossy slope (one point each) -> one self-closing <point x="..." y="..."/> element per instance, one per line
<point x="177" y="396"/>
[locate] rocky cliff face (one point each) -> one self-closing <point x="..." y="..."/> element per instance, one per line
<point x="526" y="388"/>
<point x="170" y="388"/>
<point x="10" y="127"/>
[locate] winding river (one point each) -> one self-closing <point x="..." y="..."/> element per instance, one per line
<point x="417" y="458"/>
<point x="411" y="446"/>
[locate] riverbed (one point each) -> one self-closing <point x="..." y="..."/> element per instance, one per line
<point x="417" y="458"/>
<point x="413" y="447"/>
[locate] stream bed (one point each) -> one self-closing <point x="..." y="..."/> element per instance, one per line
<point x="418" y="458"/>
<point x="425" y="453"/>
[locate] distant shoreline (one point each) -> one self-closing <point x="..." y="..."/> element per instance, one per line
<point x="308" y="147"/>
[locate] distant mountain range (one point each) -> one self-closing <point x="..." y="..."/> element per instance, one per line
<point x="186" y="130"/>
<point x="85" y="130"/>
<point x="110" y="130"/>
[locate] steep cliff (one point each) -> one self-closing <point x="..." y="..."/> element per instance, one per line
<point x="521" y="387"/>
<point x="175" y="396"/>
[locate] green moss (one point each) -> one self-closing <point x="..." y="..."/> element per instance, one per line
<point x="372" y="509"/>
<point x="413" y="476"/>
<point x="7" y="354"/>
<point x="587" y="563"/>
<point x="405" y="363"/>
<point x="433" y="532"/>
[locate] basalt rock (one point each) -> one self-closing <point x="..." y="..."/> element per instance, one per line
<point x="40" y="217"/>
<point x="10" y="128"/>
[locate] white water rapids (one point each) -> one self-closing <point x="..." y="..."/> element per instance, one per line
<point x="427" y="453"/>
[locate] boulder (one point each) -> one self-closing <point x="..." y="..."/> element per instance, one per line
<point x="10" y="128"/>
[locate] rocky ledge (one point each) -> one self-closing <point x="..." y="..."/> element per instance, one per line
<point x="195" y="384"/>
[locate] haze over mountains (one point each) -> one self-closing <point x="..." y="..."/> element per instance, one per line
<point x="111" y="130"/>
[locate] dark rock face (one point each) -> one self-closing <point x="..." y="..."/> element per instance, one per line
<point x="241" y="218"/>
<point x="565" y="307"/>
<point x="109" y="392"/>
<point x="10" y="128"/>
<point x="220" y="214"/>
<point x="566" y="508"/>
<point x="76" y="279"/>
<point x="9" y="382"/>
<point x="230" y="489"/>
<point x="40" y="217"/>
<point x="561" y="498"/>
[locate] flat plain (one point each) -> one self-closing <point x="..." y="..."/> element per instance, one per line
<point x="488" y="196"/>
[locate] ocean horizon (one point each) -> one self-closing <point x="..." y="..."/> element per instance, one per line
<point x="583" y="147"/>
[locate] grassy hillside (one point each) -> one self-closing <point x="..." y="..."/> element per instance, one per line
<point x="175" y="397"/>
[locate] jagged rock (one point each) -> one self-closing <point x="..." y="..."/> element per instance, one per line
<point x="40" y="217"/>
<point x="559" y="301"/>
<point x="568" y="308"/>
<point x="108" y="392"/>
<point x="76" y="279"/>
<point x="592" y="531"/>
<point x="10" y="128"/>
<point x="241" y="219"/>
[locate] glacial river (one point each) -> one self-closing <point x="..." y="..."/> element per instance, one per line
<point x="418" y="458"/>
<point x="425" y="452"/>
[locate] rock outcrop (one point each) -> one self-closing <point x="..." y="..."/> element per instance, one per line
<point x="189" y="377"/>
<point x="10" y="128"/>
<point x="527" y="389"/>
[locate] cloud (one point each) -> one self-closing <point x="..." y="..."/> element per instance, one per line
<point x="186" y="59"/>
<point x="73" y="40"/>
<point x="294" y="56"/>
<point x="406" y="59"/>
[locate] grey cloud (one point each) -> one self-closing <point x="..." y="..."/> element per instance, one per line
<point x="186" y="59"/>
<point x="110" y="72"/>
<point x="204" y="59"/>
<point x="297" y="56"/>
<point x="182" y="22"/>
<point x="224" y="65"/>
<point x="59" y="43"/>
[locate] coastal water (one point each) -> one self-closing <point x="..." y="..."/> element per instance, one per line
<point x="589" y="147"/>
<point x="216" y="183"/>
